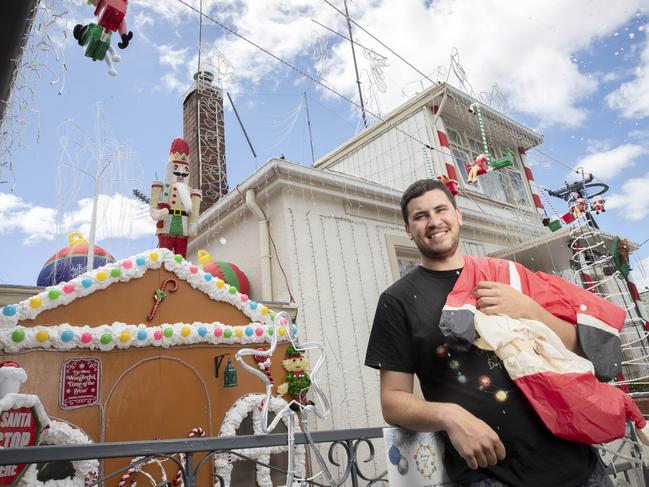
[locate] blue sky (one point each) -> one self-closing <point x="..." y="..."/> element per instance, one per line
<point x="579" y="74"/>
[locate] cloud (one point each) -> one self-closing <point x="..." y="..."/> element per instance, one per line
<point x="117" y="217"/>
<point x="631" y="99"/>
<point x="606" y="164"/>
<point x="632" y="200"/>
<point x="172" y="57"/>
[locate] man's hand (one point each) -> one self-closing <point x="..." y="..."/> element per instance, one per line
<point x="495" y="298"/>
<point x="474" y="440"/>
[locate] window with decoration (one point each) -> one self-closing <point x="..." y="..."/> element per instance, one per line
<point x="507" y="185"/>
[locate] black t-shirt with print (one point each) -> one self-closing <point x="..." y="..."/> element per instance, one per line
<point x="406" y="338"/>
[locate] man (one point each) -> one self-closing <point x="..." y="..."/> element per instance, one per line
<point x="493" y="436"/>
<point x="174" y="205"/>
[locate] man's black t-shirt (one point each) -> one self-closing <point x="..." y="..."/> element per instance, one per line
<point x="406" y="338"/>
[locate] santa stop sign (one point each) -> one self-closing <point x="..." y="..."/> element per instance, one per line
<point x="19" y="427"/>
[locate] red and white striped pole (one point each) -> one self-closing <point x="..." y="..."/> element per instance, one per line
<point x="536" y="196"/>
<point x="444" y="150"/>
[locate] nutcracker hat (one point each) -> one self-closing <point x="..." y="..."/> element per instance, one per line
<point x="179" y="152"/>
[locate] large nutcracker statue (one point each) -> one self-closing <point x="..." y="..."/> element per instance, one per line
<point x="174" y="205"/>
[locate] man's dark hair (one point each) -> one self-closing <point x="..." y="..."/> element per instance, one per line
<point x="416" y="189"/>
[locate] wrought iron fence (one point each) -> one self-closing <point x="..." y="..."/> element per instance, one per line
<point x="185" y="452"/>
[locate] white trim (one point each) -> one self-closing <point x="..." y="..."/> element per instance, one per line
<point x="588" y="320"/>
<point x="514" y="277"/>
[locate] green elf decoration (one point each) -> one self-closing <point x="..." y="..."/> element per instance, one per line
<point x="297" y="380"/>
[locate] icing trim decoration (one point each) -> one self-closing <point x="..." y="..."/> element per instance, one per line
<point x="61" y="433"/>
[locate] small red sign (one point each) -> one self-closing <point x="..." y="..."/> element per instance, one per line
<point x="80" y="383"/>
<point x="19" y="427"/>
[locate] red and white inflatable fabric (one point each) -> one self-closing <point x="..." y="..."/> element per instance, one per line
<point x="561" y="386"/>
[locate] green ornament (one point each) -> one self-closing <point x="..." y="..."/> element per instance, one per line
<point x="227" y="333"/>
<point x="115" y="272"/>
<point x="54" y="294"/>
<point x="179" y="258"/>
<point x="168" y="332"/>
<point x="272" y="316"/>
<point x="106" y="338"/>
<point x="232" y="290"/>
<point x="18" y="335"/>
<point x="270" y="331"/>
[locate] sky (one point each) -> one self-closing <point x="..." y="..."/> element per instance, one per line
<point x="578" y="72"/>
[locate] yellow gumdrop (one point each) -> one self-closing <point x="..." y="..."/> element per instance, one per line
<point x="42" y="336"/>
<point x="101" y="275"/>
<point x="186" y="331"/>
<point x="239" y="332"/>
<point x="219" y="283"/>
<point x="153" y="256"/>
<point x="124" y="337"/>
<point x="36" y="302"/>
<point x="281" y="332"/>
<point x="264" y="310"/>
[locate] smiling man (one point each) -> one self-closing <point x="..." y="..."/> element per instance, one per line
<point x="493" y="435"/>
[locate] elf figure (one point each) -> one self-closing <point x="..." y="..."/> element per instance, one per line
<point x="297" y="378"/>
<point x="451" y="184"/>
<point x="174" y="205"/>
<point x="478" y="168"/>
<point x="597" y="205"/>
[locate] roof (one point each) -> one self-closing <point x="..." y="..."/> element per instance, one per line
<point x="20" y="327"/>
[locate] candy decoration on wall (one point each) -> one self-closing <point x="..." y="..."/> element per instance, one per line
<point x="71" y="261"/>
<point x="264" y="363"/>
<point x="226" y="271"/>
<point x="96" y="37"/>
<point x="194" y="433"/>
<point x="169" y="285"/>
<point x="174" y="205"/>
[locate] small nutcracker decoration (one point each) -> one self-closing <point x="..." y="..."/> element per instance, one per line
<point x="451" y="184"/>
<point x="95" y="38"/>
<point x="264" y="363"/>
<point x="174" y="205"/>
<point x="478" y="168"/>
<point x="597" y="205"/>
<point x="298" y="380"/>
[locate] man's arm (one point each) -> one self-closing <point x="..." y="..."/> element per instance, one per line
<point x="473" y="439"/>
<point x="498" y="298"/>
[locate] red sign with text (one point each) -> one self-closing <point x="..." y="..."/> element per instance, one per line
<point x="19" y="427"/>
<point x="80" y="383"/>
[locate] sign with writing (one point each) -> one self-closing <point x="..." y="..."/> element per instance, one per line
<point x="19" y="427"/>
<point x="79" y="383"/>
<point x="415" y="459"/>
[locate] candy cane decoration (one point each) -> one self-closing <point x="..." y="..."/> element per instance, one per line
<point x="178" y="479"/>
<point x="126" y="477"/>
<point x="264" y="364"/>
<point x="445" y="150"/>
<point x="160" y="294"/>
<point x="530" y="179"/>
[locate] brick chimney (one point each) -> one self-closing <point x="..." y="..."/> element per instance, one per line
<point x="203" y="129"/>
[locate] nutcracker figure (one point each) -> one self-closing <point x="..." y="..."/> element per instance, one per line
<point x="174" y="205"/>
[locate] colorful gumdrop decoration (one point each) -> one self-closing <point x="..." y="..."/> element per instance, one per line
<point x="71" y="261"/>
<point x="226" y="271"/>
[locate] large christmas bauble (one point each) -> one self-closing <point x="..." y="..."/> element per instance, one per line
<point x="71" y="261"/>
<point x="225" y="271"/>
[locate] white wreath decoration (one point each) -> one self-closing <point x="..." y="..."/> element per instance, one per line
<point x="223" y="462"/>
<point x="61" y="433"/>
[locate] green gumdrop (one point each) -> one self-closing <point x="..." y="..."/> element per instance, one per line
<point x="54" y="294"/>
<point x="272" y="316"/>
<point x="18" y="335"/>
<point x="106" y="338"/>
<point x="168" y="332"/>
<point x="179" y="258"/>
<point x="227" y="333"/>
<point x="115" y="272"/>
<point x="232" y="290"/>
<point x="270" y="331"/>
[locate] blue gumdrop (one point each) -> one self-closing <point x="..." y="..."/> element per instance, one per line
<point x="140" y="261"/>
<point x="249" y="331"/>
<point x="207" y="276"/>
<point x="141" y="335"/>
<point x="86" y="283"/>
<point x="394" y="455"/>
<point x="253" y="305"/>
<point x="294" y="329"/>
<point x="202" y="331"/>
<point x="67" y="335"/>
<point x="9" y="310"/>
